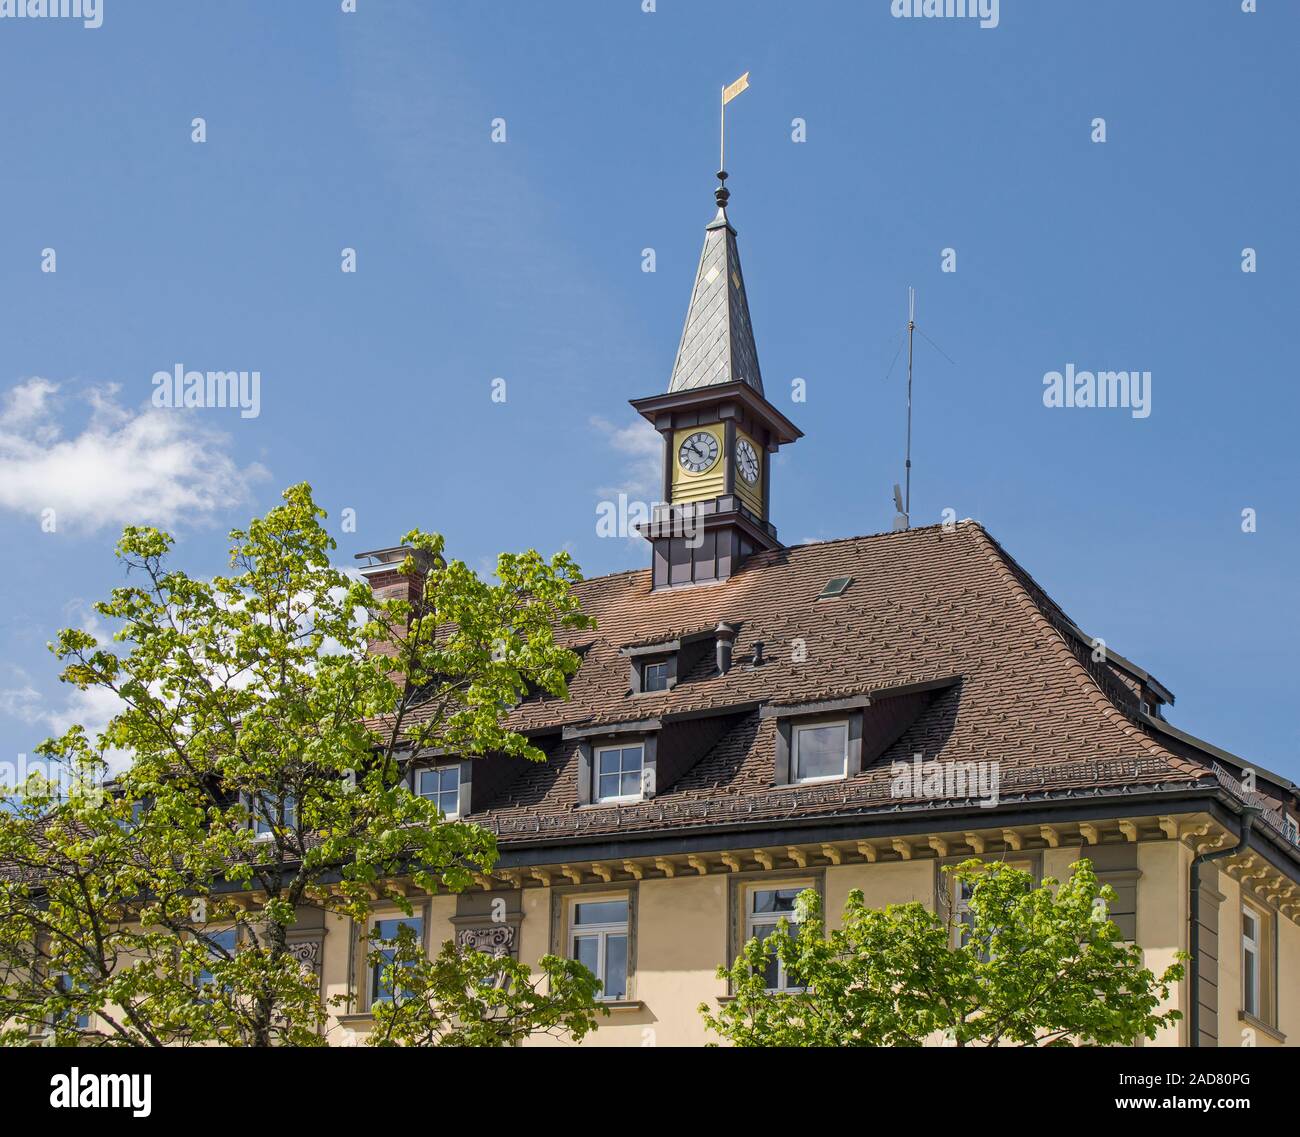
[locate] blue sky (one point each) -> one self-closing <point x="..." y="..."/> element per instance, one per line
<point x="523" y="260"/>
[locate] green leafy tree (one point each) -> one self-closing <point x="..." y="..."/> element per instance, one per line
<point x="1028" y="966"/>
<point x="268" y="715"/>
<point x="472" y="998"/>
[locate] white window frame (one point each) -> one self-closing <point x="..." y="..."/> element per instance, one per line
<point x="797" y="731"/>
<point x="452" y="814"/>
<point x="601" y="933"/>
<point x="255" y="821"/>
<point x="202" y="982"/>
<point x="961" y="904"/>
<point x="645" y="669"/>
<point x="595" y="773"/>
<point x="1252" y="995"/>
<point x="374" y="971"/>
<point x="60" y="979"/>
<point x="771" y="920"/>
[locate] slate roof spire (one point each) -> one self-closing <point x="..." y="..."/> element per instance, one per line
<point x="717" y="342"/>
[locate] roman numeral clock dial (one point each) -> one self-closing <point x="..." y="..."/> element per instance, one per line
<point x="746" y="461"/>
<point x="698" y="452"/>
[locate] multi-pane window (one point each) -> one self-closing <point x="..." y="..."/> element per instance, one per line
<point x="273" y="810"/>
<point x="138" y="810"/>
<point x="764" y="911"/>
<point x="221" y="946"/>
<point x="598" y="940"/>
<point x="820" y="752"/>
<point x="965" y="921"/>
<point x="618" y="773"/>
<point x="65" y="985"/>
<point x="1252" y="962"/>
<point x="383" y="937"/>
<point x="964" y="924"/>
<point x="441" y="785"/>
<point x="654" y="677"/>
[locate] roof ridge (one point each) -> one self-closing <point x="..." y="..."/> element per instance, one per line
<point x="1086" y="681"/>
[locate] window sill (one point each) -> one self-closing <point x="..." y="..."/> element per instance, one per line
<point x="1260" y="1024"/>
<point x="357" y="1018"/>
<point x="723" y="1000"/>
<point x="616" y="1005"/>
<point x="612" y="804"/>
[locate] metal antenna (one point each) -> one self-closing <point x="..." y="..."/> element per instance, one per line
<point x="903" y="501"/>
<point x="911" y="327"/>
<point x="903" y="498"/>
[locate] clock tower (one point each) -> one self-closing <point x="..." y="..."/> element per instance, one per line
<point x="719" y="431"/>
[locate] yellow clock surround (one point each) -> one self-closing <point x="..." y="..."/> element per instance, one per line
<point x="711" y="483"/>
<point x="688" y="486"/>
<point x="751" y="493"/>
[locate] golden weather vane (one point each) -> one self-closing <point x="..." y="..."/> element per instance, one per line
<point x="728" y="93"/>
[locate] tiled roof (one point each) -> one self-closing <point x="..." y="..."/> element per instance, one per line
<point x="717" y="343"/>
<point x="928" y="606"/>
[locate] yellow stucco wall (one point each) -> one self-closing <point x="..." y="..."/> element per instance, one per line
<point x="1283" y="988"/>
<point x="1162" y="920"/>
<point x="682" y="930"/>
<point x="897" y="882"/>
<point x="681" y="940"/>
<point x="1289" y="981"/>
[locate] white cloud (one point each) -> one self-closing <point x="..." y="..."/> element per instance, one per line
<point x="22" y="702"/>
<point x="642" y="446"/>
<point x="92" y="708"/>
<point x="150" y="466"/>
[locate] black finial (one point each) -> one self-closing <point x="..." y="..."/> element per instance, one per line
<point x="722" y="194"/>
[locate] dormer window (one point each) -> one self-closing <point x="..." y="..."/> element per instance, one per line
<point x="270" y="812"/>
<point x="660" y="665"/>
<point x="820" y="752"/>
<point x="440" y="785"/>
<point x="617" y="762"/>
<point x="619" y="773"/>
<point x="654" y="667"/>
<point x="818" y="741"/>
<point x="654" y="676"/>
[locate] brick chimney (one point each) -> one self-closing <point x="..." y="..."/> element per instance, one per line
<point x="388" y="582"/>
<point x="385" y="578"/>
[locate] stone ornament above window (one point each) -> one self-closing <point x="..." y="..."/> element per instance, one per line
<point x="306" y="952"/>
<point x="498" y="940"/>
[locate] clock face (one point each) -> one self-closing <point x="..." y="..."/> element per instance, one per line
<point x="746" y="461"/>
<point x="698" y="452"/>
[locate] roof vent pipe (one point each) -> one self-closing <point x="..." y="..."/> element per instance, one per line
<point x="726" y="638"/>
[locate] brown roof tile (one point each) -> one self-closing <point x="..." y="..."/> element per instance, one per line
<point x="926" y="605"/>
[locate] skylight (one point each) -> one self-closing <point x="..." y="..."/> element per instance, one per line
<point x="835" y="587"/>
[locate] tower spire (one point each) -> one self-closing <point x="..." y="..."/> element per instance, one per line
<point x="717" y="344"/>
<point x="719" y="431"/>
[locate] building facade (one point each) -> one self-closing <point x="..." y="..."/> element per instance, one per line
<point x="752" y="719"/>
